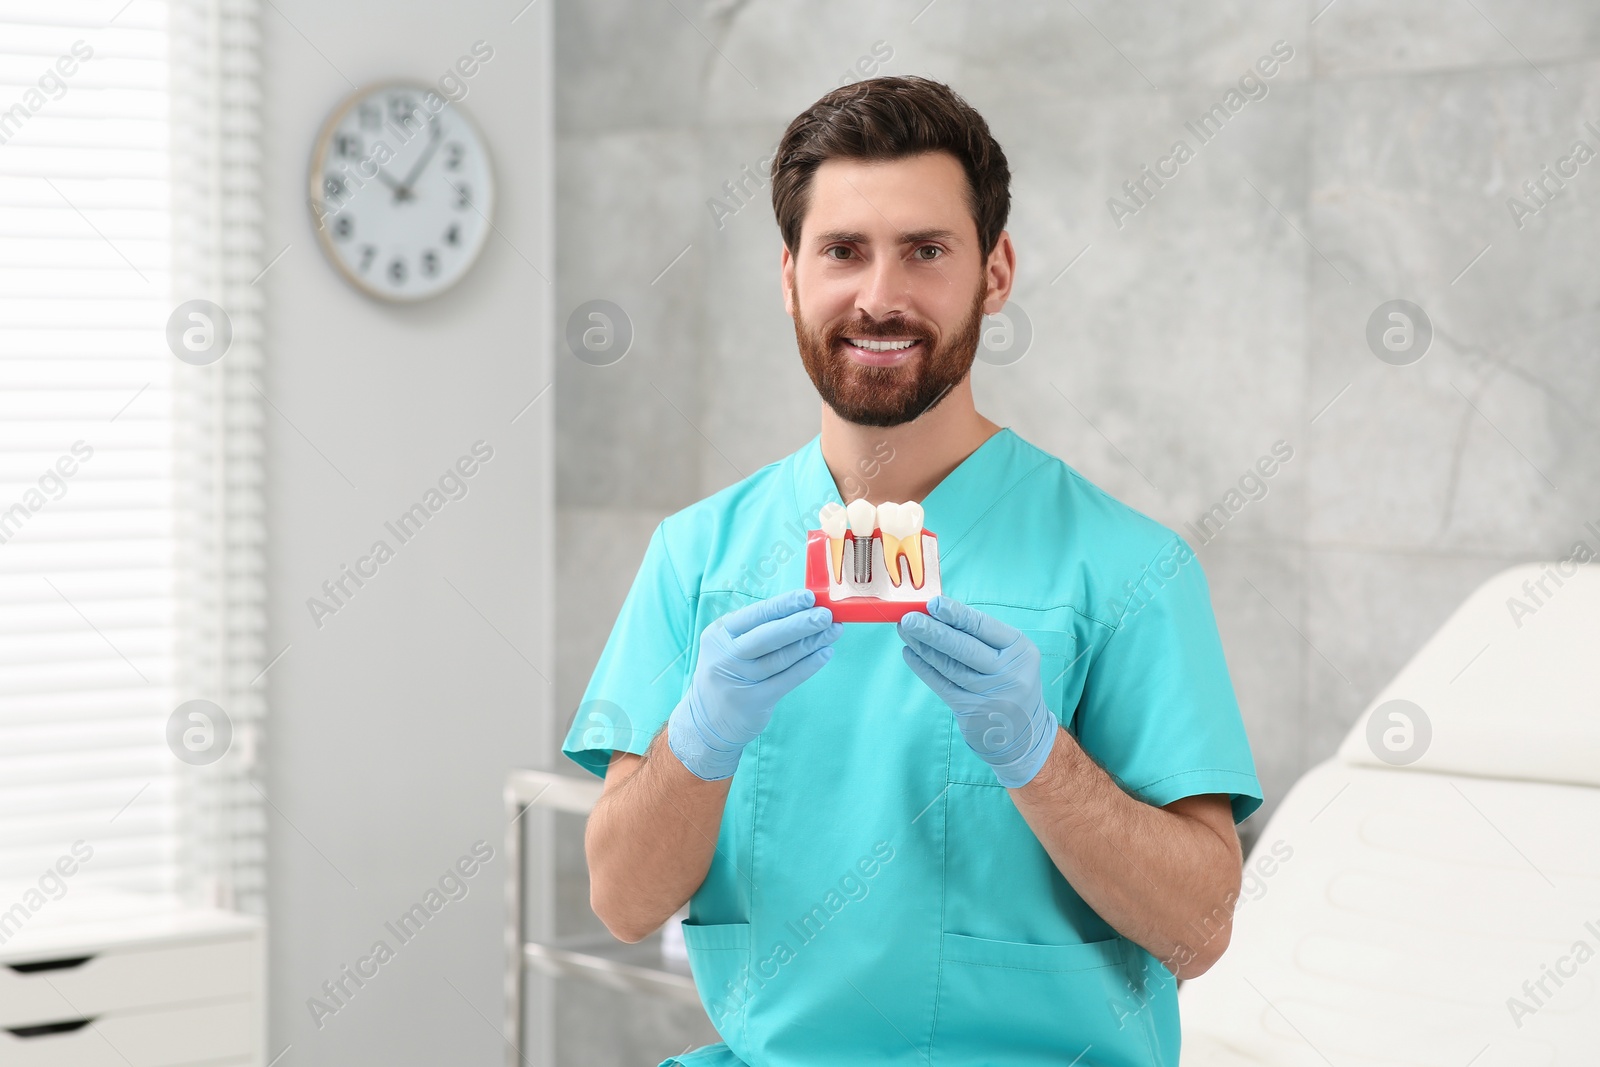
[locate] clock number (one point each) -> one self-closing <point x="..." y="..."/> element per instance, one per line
<point x="348" y="144"/>
<point x="342" y="227"/>
<point x="402" y="110"/>
<point x="430" y="262"/>
<point x="397" y="271"/>
<point x="453" y="153"/>
<point x="367" y="253"/>
<point x="463" y="195"/>
<point x="452" y="236"/>
<point x="371" y="116"/>
<point x="334" y="186"/>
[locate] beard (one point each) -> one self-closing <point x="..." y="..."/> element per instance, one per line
<point x="887" y="396"/>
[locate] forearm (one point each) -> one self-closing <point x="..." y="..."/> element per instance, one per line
<point x="649" y="842"/>
<point x="1165" y="881"/>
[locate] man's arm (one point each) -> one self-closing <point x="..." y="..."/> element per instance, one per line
<point x="1166" y="878"/>
<point x="650" y="839"/>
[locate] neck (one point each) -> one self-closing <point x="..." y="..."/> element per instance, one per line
<point x="903" y="462"/>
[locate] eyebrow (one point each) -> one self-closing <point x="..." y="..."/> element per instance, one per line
<point x="914" y="237"/>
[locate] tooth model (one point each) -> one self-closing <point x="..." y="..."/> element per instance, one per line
<point x="862" y="517"/>
<point x="902" y="536"/>
<point x="833" y="521"/>
<point x="889" y="519"/>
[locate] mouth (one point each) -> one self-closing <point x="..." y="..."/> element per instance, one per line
<point x="875" y="352"/>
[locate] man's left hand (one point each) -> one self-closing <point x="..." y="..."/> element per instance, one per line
<point x="987" y="671"/>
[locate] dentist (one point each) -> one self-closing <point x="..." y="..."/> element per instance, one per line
<point x="1035" y="784"/>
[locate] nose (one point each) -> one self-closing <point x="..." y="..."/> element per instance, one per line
<point x="885" y="289"/>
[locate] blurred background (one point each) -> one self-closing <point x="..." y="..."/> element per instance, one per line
<point x="1374" y="265"/>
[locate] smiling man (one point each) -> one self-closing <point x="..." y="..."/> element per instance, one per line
<point x="995" y="832"/>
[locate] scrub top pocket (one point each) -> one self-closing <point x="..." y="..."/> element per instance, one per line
<point x="719" y="959"/>
<point x="1029" y="1005"/>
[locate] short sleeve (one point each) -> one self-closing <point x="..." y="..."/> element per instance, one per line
<point x="642" y="671"/>
<point x="1158" y="710"/>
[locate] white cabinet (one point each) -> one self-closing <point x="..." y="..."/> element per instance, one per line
<point x="126" y="981"/>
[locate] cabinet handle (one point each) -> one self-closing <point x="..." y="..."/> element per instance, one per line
<point x="44" y="1029"/>
<point x="63" y="964"/>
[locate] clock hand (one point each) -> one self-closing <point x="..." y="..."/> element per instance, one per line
<point x="427" y="154"/>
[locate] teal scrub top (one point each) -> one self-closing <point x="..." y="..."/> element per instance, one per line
<point x="875" y="896"/>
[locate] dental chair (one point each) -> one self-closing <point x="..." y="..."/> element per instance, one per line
<point x="1431" y="894"/>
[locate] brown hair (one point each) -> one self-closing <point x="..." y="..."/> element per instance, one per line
<point x="887" y="119"/>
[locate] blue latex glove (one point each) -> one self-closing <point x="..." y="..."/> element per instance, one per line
<point x="749" y="660"/>
<point x="988" y="672"/>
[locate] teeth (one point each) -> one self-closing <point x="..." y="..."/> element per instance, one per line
<point x="832" y="517"/>
<point x="862" y="517"/>
<point x="889" y="524"/>
<point x="882" y="346"/>
<point x="902" y="536"/>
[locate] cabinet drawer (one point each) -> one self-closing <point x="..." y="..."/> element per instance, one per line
<point x="135" y="977"/>
<point x="155" y="1038"/>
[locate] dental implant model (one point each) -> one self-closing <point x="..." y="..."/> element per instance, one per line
<point x="878" y="588"/>
<point x="861" y="516"/>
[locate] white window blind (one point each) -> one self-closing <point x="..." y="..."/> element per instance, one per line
<point x="131" y="576"/>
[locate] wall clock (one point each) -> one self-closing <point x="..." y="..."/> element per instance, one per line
<point x="401" y="191"/>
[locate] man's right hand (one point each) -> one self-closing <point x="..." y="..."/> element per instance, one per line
<point x="749" y="660"/>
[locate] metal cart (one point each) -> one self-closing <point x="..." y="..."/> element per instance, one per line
<point x="530" y="931"/>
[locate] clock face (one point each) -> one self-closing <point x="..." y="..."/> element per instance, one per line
<point x="401" y="191"/>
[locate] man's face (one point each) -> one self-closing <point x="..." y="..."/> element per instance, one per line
<point x="888" y="252"/>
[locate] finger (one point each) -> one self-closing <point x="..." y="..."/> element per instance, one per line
<point x="775" y="607"/>
<point x="981" y="625"/>
<point x="920" y="667"/>
<point x="783" y="658"/>
<point x="789" y="679"/>
<point x="952" y="642"/>
<point x="957" y="673"/>
<point x="770" y="636"/>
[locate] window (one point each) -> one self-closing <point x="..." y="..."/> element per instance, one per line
<point x="131" y="525"/>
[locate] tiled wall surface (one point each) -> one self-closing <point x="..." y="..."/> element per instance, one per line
<point x="1191" y="333"/>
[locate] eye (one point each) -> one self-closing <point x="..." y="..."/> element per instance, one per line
<point x="927" y="248"/>
<point x="834" y="248"/>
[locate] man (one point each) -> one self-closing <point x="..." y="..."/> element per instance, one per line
<point x="994" y="832"/>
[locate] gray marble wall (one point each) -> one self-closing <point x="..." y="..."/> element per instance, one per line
<point x="1175" y="341"/>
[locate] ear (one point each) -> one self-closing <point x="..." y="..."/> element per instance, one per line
<point x="999" y="274"/>
<point x="786" y="279"/>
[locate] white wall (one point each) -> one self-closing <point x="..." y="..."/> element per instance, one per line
<point x="391" y="726"/>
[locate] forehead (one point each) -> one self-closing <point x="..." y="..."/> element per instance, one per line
<point x="887" y="197"/>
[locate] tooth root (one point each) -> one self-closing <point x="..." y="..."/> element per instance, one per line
<point x="911" y="548"/>
<point x="890" y="522"/>
<point x="833" y="520"/>
<point x="891" y="557"/>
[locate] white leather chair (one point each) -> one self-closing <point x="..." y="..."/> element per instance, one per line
<point x="1444" y="911"/>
